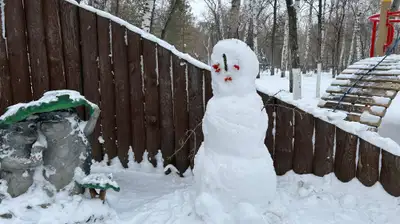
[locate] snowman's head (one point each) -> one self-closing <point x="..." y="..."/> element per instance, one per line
<point x="234" y="68"/>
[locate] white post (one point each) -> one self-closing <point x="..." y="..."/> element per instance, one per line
<point x="296" y="83"/>
<point x="318" y="86"/>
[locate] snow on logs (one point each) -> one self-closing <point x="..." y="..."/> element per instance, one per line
<point x="367" y="96"/>
<point x="305" y="144"/>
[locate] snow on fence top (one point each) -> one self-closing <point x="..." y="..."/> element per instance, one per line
<point x="335" y="118"/>
<point x="144" y="34"/>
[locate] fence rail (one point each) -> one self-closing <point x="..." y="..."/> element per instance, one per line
<point x="53" y="44"/>
<point x="308" y="145"/>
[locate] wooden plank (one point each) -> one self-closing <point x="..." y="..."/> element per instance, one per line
<point x="88" y="31"/>
<point x="151" y="97"/>
<point x="345" y="155"/>
<point x="180" y="114"/>
<point x="377" y="73"/>
<point x="324" y="147"/>
<point x="5" y="79"/>
<point x="17" y="52"/>
<point x="366" y="67"/>
<point x="136" y="95"/>
<point x="37" y="47"/>
<point x="374" y="62"/>
<point x="390" y="173"/>
<point x="357" y="118"/>
<point x="207" y="87"/>
<point x="107" y="88"/>
<point x="196" y="110"/>
<point x="71" y="47"/>
<point x="122" y="90"/>
<point x="372" y="101"/>
<point x="166" y="105"/>
<point x="55" y="59"/>
<point x="371" y="78"/>
<point x="269" y="104"/>
<point x="303" y="142"/>
<point x="370" y="85"/>
<point x="283" y="154"/>
<point x="374" y="110"/>
<point x="362" y="92"/>
<point x="368" y="163"/>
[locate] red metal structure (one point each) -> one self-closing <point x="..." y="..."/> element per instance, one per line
<point x="389" y="23"/>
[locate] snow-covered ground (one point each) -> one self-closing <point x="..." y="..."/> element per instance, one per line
<point x="148" y="196"/>
<point x="273" y="84"/>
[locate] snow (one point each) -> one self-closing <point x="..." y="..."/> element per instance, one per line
<point x="386" y="137"/>
<point x="369" y="118"/>
<point x="341" y="82"/>
<point x="3" y="19"/>
<point x="234" y="175"/>
<point x="49" y="96"/>
<point x="381" y="100"/>
<point x="144" y="34"/>
<point x="334" y="88"/>
<point x="151" y="197"/>
<point x="377" y="109"/>
<point x="100" y="179"/>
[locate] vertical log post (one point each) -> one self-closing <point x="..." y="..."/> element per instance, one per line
<point x="324" y="147"/>
<point x="283" y="155"/>
<point x="382" y="28"/>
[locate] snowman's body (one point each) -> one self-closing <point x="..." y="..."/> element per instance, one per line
<point x="233" y="169"/>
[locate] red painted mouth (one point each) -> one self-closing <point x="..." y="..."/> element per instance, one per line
<point x="228" y="79"/>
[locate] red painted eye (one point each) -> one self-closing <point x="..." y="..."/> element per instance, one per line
<point x="218" y="70"/>
<point x="237" y="67"/>
<point x="215" y="66"/>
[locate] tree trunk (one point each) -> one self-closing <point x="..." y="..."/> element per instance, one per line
<point x="285" y="48"/>
<point x="294" y="48"/>
<point x="308" y="33"/>
<point x="358" y="37"/>
<point x="148" y="16"/>
<point x="172" y="8"/>
<point x="115" y="8"/>
<point x="324" y="31"/>
<point x="319" y="33"/>
<point x="342" y="58"/>
<point x="233" y="28"/>
<point x="353" y="39"/>
<point x="221" y="19"/>
<point x="250" y="31"/>
<point x="273" y="39"/>
<point x="340" y="14"/>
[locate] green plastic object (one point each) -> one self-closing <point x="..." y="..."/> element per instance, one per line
<point x="55" y="100"/>
<point x="98" y="186"/>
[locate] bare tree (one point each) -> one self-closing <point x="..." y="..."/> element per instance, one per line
<point x="275" y="7"/>
<point x="233" y="26"/>
<point x="293" y="43"/>
<point x="285" y="48"/>
<point x="308" y="36"/>
<point x="214" y="8"/>
<point x="172" y="9"/>
<point x="148" y="15"/>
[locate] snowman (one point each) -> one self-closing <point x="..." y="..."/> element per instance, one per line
<point x="235" y="180"/>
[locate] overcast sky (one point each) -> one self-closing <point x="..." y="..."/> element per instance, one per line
<point x="198" y="8"/>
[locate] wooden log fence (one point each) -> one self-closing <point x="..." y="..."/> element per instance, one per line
<point x="153" y="100"/>
<point x="309" y="145"/>
<point x="145" y="105"/>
